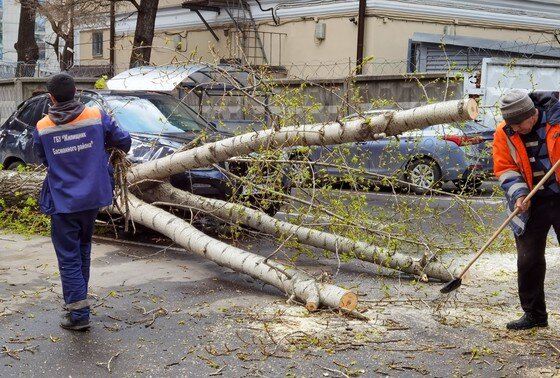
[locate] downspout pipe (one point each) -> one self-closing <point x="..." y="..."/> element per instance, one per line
<point x="361" y="33"/>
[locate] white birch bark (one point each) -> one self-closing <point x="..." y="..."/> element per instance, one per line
<point x="236" y="213"/>
<point x="17" y="186"/>
<point x="289" y="280"/>
<point x="390" y="123"/>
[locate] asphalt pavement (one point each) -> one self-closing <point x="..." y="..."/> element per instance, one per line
<point x="162" y="311"/>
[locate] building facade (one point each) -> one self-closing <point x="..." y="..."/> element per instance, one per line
<point x="319" y="39"/>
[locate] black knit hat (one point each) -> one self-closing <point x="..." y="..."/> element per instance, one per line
<point x="62" y="87"/>
<point x="516" y="106"/>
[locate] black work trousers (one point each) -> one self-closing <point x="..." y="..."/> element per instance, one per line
<point x="531" y="263"/>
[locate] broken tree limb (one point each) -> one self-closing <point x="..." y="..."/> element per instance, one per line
<point x="390" y="123"/>
<point x="289" y="280"/>
<point x="236" y="213"/>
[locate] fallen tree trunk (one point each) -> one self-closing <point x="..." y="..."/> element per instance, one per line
<point x="292" y="281"/>
<point x="287" y="279"/>
<point x="17" y="186"/>
<point x="390" y="123"/>
<point x="236" y="213"/>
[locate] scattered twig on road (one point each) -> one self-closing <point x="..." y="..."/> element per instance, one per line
<point x="352" y="314"/>
<point x="555" y="348"/>
<point x="219" y="371"/>
<point x="156" y="312"/>
<point x="265" y="325"/>
<point x="14" y="352"/>
<point x="108" y="364"/>
<point x="334" y="371"/>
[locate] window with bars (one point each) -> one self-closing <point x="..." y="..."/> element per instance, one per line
<point x="97" y="44"/>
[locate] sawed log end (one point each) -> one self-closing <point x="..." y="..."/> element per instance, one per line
<point x="349" y="301"/>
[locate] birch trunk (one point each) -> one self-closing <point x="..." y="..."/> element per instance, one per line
<point x="291" y="281"/>
<point x="236" y="213"/>
<point x="17" y="186"/>
<point x="390" y="123"/>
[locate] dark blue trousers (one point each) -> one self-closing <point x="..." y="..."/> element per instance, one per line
<point x="71" y="236"/>
<point x="531" y="262"/>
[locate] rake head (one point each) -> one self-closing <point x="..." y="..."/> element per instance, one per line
<point x="451" y="285"/>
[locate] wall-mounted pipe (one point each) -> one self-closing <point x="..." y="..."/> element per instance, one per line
<point x="361" y="33"/>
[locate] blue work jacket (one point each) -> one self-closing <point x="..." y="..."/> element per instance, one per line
<point x="78" y="168"/>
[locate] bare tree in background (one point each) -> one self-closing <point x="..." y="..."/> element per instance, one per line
<point x="63" y="16"/>
<point x="26" y="45"/>
<point x="144" y="33"/>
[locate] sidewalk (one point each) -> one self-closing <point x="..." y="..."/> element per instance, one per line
<point x="170" y="313"/>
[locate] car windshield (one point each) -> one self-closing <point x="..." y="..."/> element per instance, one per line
<point x="154" y="114"/>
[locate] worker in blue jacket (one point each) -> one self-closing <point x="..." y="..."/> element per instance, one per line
<point x="72" y="141"/>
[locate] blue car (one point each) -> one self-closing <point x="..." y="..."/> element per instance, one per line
<point x="425" y="159"/>
<point x="158" y="123"/>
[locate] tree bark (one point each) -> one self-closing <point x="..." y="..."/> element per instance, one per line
<point x="292" y="281"/>
<point x="18" y="186"/>
<point x="26" y="45"/>
<point x="306" y="135"/>
<point x="67" y="56"/>
<point x="144" y="33"/>
<point x="236" y="213"/>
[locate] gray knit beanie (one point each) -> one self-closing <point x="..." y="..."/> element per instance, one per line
<point x="516" y="106"/>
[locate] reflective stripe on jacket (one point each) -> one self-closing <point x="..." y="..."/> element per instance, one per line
<point x="511" y="161"/>
<point x="78" y="165"/>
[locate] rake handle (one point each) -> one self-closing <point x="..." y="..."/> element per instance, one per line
<point x="511" y="216"/>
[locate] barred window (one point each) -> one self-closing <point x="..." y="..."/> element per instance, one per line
<point x="97" y="44"/>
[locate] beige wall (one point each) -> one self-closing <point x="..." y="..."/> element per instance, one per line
<point x="86" y="57"/>
<point x="386" y="40"/>
<point x="196" y="43"/>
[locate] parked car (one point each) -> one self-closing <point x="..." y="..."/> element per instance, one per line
<point x="205" y="87"/>
<point x="425" y="158"/>
<point x="159" y="125"/>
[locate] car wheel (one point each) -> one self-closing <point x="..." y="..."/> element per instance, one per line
<point x="468" y="185"/>
<point x="13" y="166"/>
<point x="424" y="174"/>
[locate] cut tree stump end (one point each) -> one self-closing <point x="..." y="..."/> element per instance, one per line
<point x="349" y="301"/>
<point x="311" y="306"/>
<point x="472" y="108"/>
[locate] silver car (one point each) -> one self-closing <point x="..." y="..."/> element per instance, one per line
<point x="424" y="159"/>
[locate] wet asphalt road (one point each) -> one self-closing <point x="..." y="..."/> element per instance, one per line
<point x="171" y="313"/>
<point x="166" y="312"/>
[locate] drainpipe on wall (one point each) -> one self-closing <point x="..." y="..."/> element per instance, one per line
<point x="112" y="40"/>
<point x="361" y="32"/>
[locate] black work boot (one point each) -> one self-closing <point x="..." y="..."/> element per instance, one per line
<point x="74" y="325"/>
<point x="527" y="321"/>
